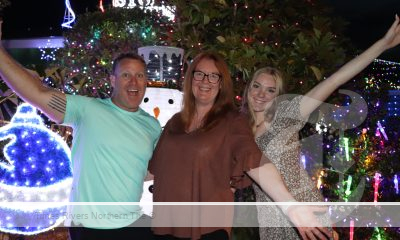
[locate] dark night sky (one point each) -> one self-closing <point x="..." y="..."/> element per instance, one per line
<point x="368" y="19"/>
<point x="28" y="18"/>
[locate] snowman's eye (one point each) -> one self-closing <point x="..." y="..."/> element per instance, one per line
<point x="170" y="101"/>
<point x="146" y="99"/>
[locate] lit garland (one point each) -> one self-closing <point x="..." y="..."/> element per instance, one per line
<point x="36" y="169"/>
<point x="252" y="34"/>
<point x="158" y="6"/>
<point x="373" y="149"/>
<point x="385" y="76"/>
<point x="87" y="58"/>
<point x="388" y="72"/>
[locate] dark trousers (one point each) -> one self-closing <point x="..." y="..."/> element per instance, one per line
<point x="216" y="235"/>
<point x="141" y="229"/>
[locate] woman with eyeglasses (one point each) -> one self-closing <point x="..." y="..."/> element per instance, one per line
<point x="206" y="150"/>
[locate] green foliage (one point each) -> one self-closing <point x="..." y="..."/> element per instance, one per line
<point x="4" y="3"/>
<point x="298" y="37"/>
<point x="97" y="38"/>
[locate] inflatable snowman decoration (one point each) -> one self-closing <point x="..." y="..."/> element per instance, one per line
<point x="162" y="103"/>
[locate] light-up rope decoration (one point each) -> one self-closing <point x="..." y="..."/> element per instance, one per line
<point x="378" y="234"/>
<point x="396" y="183"/>
<point x="382" y="130"/>
<point x="348" y="186"/>
<point x="101" y="6"/>
<point x="351" y="229"/>
<point x="36" y="168"/>
<point x="377" y="181"/>
<point x="69" y="16"/>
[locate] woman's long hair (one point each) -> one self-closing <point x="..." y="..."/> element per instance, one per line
<point x="270" y="113"/>
<point x="224" y="101"/>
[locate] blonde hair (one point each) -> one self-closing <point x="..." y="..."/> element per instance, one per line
<point x="270" y="113"/>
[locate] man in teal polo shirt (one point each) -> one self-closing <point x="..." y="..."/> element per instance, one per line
<point x="113" y="140"/>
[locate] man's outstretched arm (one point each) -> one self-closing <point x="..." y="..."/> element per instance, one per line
<point x="29" y="87"/>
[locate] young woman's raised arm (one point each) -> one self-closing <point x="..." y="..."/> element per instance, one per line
<point x="321" y="92"/>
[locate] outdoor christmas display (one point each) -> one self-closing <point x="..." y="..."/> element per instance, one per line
<point x="367" y="164"/>
<point x="360" y="162"/>
<point x="301" y="38"/>
<point x="83" y="65"/>
<point x="69" y="16"/>
<point x="164" y="65"/>
<point x="153" y="5"/>
<point x="36" y="168"/>
<point x="162" y="103"/>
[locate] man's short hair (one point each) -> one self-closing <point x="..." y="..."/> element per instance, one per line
<point x="123" y="56"/>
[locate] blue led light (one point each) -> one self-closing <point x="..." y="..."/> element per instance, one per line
<point x="36" y="168"/>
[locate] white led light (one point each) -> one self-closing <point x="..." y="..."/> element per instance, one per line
<point x="28" y="168"/>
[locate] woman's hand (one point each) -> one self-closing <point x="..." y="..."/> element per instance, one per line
<point x="392" y="37"/>
<point x="304" y="218"/>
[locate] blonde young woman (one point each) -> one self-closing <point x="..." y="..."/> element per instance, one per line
<point x="276" y="122"/>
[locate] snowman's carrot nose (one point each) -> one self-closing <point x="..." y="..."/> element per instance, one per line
<point x="156" y="111"/>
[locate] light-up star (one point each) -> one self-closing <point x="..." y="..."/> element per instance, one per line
<point x="36" y="168"/>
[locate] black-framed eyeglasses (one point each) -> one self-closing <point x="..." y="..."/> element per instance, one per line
<point x="212" y="77"/>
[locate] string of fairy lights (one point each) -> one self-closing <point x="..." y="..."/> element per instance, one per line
<point x="355" y="154"/>
<point x="341" y="149"/>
